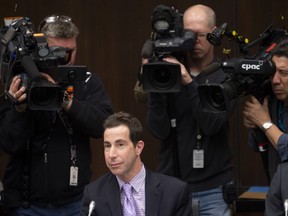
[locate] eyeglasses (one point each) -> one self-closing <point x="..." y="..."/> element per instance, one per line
<point x="54" y="18"/>
<point x="202" y="35"/>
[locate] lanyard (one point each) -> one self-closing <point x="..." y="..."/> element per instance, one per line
<point x="198" y="138"/>
<point x="69" y="129"/>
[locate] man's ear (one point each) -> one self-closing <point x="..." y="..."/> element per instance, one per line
<point x="139" y="147"/>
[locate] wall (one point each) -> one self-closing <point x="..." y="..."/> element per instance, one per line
<point x="111" y="37"/>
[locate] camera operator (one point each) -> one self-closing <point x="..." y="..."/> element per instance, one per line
<point x="271" y="115"/>
<point x="50" y="150"/>
<point x="202" y="156"/>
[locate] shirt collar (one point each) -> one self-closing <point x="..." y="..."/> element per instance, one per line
<point x="137" y="181"/>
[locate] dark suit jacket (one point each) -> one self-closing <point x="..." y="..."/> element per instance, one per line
<point x="165" y="196"/>
<point x="278" y="192"/>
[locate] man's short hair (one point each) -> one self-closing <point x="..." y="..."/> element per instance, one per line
<point x="122" y="118"/>
<point x="58" y="26"/>
<point x="281" y="49"/>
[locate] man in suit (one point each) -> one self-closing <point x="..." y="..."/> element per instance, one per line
<point x="152" y="193"/>
<point x="276" y="202"/>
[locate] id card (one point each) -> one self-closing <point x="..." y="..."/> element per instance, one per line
<point x="73" y="176"/>
<point x="198" y="158"/>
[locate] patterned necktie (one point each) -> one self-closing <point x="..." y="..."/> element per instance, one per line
<point x="129" y="208"/>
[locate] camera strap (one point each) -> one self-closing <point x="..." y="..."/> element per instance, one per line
<point x="173" y="133"/>
<point x="66" y="123"/>
<point x="5" y="43"/>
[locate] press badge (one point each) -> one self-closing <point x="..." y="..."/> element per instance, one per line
<point x="73" y="176"/>
<point x="198" y="158"/>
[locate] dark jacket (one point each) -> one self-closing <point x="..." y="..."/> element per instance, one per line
<point x="278" y="192"/>
<point x="165" y="196"/>
<point x="39" y="146"/>
<point x="177" y="144"/>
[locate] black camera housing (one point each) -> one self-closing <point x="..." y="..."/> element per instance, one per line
<point x="44" y="95"/>
<point x="246" y="76"/>
<point x="71" y="73"/>
<point x="250" y="74"/>
<point x="168" y="38"/>
<point x="24" y="53"/>
<point x="161" y="77"/>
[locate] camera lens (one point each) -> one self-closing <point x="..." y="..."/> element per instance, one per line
<point x="44" y="96"/>
<point x="161" y="77"/>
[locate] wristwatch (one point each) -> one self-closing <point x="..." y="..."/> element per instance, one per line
<point x="266" y="126"/>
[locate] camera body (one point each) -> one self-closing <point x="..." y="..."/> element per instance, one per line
<point x="168" y="38"/>
<point x="44" y="95"/>
<point x="25" y="53"/>
<point x="246" y="75"/>
<point x="18" y="40"/>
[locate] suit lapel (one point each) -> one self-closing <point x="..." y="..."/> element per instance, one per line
<point x="113" y="196"/>
<point x="153" y="194"/>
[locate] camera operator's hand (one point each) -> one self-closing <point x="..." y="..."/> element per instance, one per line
<point x="18" y="94"/>
<point x="47" y="77"/>
<point x="145" y="61"/>
<point x="186" y="78"/>
<point x="140" y="95"/>
<point x="67" y="99"/>
<point x="255" y="113"/>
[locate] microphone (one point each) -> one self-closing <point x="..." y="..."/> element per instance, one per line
<point x="31" y="68"/>
<point x="147" y="49"/>
<point x="286" y="207"/>
<point x="216" y="36"/>
<point x="211" y="68"/>
<point x="91" y="207"/>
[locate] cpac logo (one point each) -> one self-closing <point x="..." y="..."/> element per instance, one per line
<point x="251" y="66"/>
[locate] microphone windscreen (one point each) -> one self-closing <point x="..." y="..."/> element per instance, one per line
<point x="147" y="49"/>
<point x="211" y="68"/>
<point x="91" y="207"/>
<point x="30" y="68"/>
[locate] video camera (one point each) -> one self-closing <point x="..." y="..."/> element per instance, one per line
<point x="247" y="75"/>
<point x="168" y="38"/>
<point x="24" y="53"/>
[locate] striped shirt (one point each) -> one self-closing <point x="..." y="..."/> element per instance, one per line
<point x="138" y="192"/>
